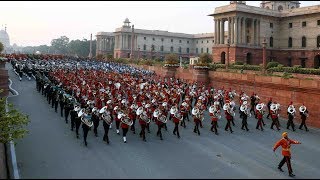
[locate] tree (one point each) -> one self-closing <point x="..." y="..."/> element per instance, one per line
<point x="11" y="123"/>
<point x="60" y="44"/>
<point x="205" y="59"/>
<point x="171" y="59"/>
<point x="1" y="47"/>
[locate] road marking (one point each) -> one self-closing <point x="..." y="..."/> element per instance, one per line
<point x="16" y="93"/>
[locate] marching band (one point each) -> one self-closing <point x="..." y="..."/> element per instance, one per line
<point x="91" y="91"/>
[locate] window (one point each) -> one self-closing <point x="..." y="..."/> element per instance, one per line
<point x="189" y="50"/>
<point x="280" y="8"/>
<point x="187" y="42"/>
<point x="197" y="50"/>
<point x="171" y="49"/>
<point x="179" y="49"/>
<point x="290" y="42"/>
<point x="161" y="48"/>
<point x="197" y="42"/>
<point x="318" y="41"/>
<point x="171" y="40"/>
<point x="145" y="38"/>
<point x="202" y="42"/>
<point x="207" y="41"/>
<point x="201" y="50"/>
<point x="162" y="39"/>
<point x="207" y="50"/>
<point x="290" y="25"/>
<point x="152" y="47"/>
<point x="153" y="39"/>
<point x="144" y="47"/>
<point x="179" y="41"/>
<point x="212" y="41"/>
<point x="304" y="42"/>
<point x="271" y="41"/>
<point x="271" y="25"/>
<point x="304" y="24"/>
<point x="318" y="22"/>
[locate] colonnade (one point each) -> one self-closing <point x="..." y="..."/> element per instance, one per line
<point x="241" y="30"/>
<point x="105" y="43"/>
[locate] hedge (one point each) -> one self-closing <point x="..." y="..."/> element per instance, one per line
<point x="295" y="70"/>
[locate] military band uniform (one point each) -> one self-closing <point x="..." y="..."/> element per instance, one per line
<point x="95" y="119"/>
<point x="73" y="115"/>
<point x="303" y="120"/>
<point x="259" y="116"/>
<point x="229" y="118"/>
<point x="85" y="133"/>
<point x="176" y="126"/>
<point x="106" y="131"/>
<point x="275" y="120"/>
<point x="244" y="121"/>
<point x="290" y="121"/>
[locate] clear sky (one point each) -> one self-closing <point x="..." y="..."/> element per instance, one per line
<point x="36" y="23"/>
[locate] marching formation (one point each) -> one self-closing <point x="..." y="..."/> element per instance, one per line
<point x="91" y="92"/>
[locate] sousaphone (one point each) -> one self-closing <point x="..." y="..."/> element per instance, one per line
<point x="86" y="119"/>
<point x="173" y="110"/>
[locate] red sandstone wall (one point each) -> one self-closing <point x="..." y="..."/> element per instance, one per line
<point x="281" y="90"/>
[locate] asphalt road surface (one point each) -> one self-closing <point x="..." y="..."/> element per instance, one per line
<point x="51" y="150"/>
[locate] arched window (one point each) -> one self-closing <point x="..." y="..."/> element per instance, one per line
<point x="188" y="50"/>
<point x="179" y="49"/>
<point x="201" y="50"/>
<point x="280" y="8"/>
<point x="292" y="7"/>
<point x="290" y="42"/>
<point x="161" y="48"/>
<point x="318" y="41"/>
<point x="144" y="47"/>
<point x="207" y="50"/>
<point x="271" y="41"/>
<point x="267" y="7"/>
<point x="171" y="49"/>
<point x="304" y="42"/>
<point x="197" y="51"/>
<point x="152" y="47"/>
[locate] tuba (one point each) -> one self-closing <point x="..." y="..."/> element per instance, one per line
<point x="107" y="118"/>
<point x="303" y="110"/>
<point x="86" y="119"/>
<point x="178" y="116"/>
<point x="139" y="111"/>
<point x="125" y="119"/>
<point x="291" y="110"/>
<point x="162" y="118"/>
<point x="144" y="117"/>
<point x="173" y="110"/>
<point x="156" y="113"/>
<point x="244" y="108"/>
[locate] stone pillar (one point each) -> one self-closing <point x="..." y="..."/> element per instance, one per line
<point x="229" y="28"/>
<point x="252" y="32"/>
<point x="215" y="31"/>
<point x="232" y="30"/>
<point x="222" y="32"/>
<point x="259" y="32"/>
<point x="218" y="31"/>
<point x="236" y="33"/>
<point x="228" y="54"/>
<point x="244" y="31"/>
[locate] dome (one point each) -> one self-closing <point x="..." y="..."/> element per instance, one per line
<point x="4" y="38"/>
<point x="126" y="20"/>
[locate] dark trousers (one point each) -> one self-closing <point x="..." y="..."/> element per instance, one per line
<point x="290" y="123"/>
<point x="275" y="122"/>
<point x="244" y="122"/>
<point x="61" y="109"/>
<point x="196" y="127"/>
<point x="78" y="123"/>
<point x="95" y="126"/>
<point x="228" y="126"/>
<point x="52" y="102"/>
<point x="133" y="128"/>
<point x="56" y="106"/>
<point x="183" y="123"/>
<point x="106" y="131"/>
<point x="117" y="124"/>
<point x="148" y="127"/>
<point x="259" y="123"/>
<point x="214" y="126"/>
<point x="85" y="133"/>
<point x="124" y="131"/>
<point x="143" y="131"/>
<point x="72" y="123"/>
<point x="159" y="130"/>
<point x="232" y="121"/>
<point x="66" y="114"/>
<point x="176" y="129"/>
<point x="303" y="123"/>
<point x="286" y="159"/>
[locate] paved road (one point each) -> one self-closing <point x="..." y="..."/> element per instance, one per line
<point x="51" y="150"/>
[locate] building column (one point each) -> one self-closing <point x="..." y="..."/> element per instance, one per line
<point x="232" y="31"/>
<point x="252" y="35"/>
<point x="244" y="32"/>
<point x="222" y="31"/>
<point x="236" y="30"/>
<point x="218" y="31"/>
<point x="229" y="29"/>
<point x="258" y="23"/>
<point x="215" y="31"/>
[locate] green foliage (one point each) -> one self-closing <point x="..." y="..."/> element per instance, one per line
<point x="110" y="57"/>
<point x="11" y="123"/>
<point x="238" y="63"/>
<point x="246" y="67"/>
<point x="1" y="47"/>
<point x="204" y="59"/>
<point x="287" y="75"/>
<point x="272" y="64"/>
<point x="122" y="60"/>
<point x="295" y="69"/>
<point x="171" y="59"/>
<point x="215" y="66"/>
<point x="60" y="44"/>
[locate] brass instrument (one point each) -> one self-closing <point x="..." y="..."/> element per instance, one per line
<point x="178" y="116"/>
<point x="291" y="110"/>
<point x="125" y="119"/>
<point x="144" y="117"/>
<point x="303" y="109"/>
<point x="107" y="118"/>
<point x="162" y="118"/>
<point x="244" y="108"/>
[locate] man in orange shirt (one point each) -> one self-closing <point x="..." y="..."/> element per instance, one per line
<point x="285" y="143"/>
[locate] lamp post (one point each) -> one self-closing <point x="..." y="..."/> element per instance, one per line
<point x="228" y="56"/>
<point x="264" y="54"/>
